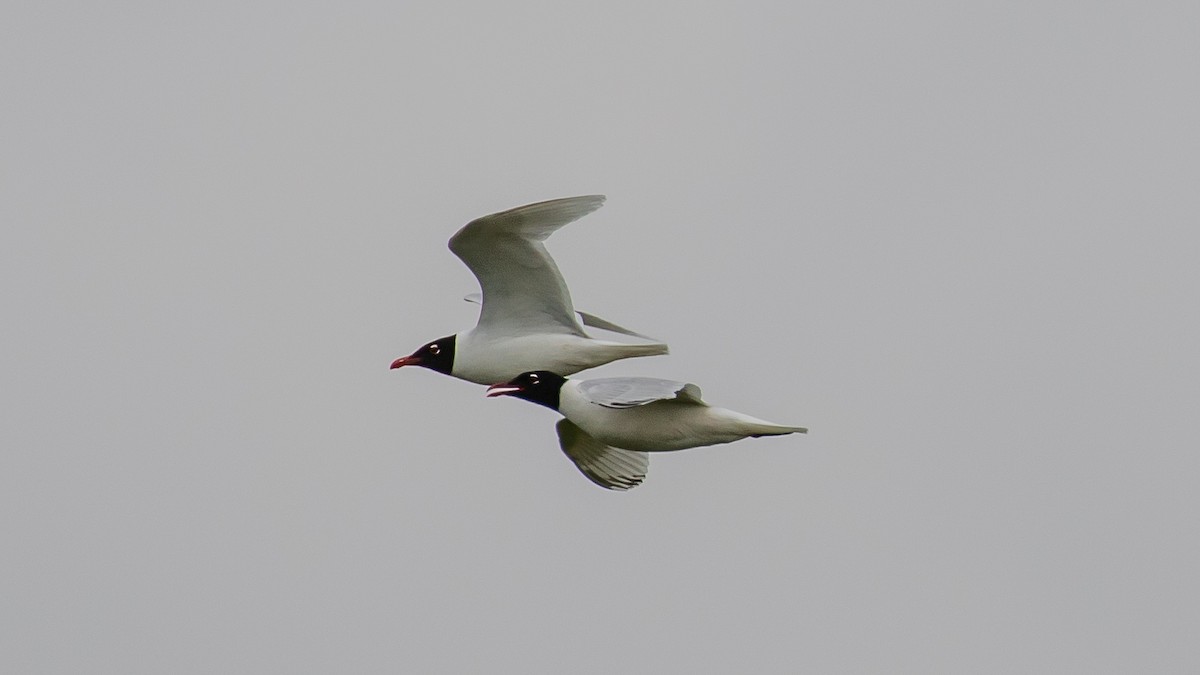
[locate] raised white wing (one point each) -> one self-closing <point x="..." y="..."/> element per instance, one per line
<point x="590" y="320"/>
<point x="630" y="392"/>
<point x="604" y="465"/>
<point x="523" y="291"/>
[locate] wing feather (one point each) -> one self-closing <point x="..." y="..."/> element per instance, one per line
<point x="590" y="320"/>
<point x="630" y="392"/>
<point x="522" y="288"/>
<point x="604" y="465"/>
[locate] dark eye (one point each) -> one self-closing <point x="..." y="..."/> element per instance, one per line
<point x="533" y="379"/>
<point x="434" y="349"/>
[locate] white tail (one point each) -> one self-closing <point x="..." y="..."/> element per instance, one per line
<point x="776" y="430"/>
<point x="752" y="426"/>
<point x="656" y="349"/>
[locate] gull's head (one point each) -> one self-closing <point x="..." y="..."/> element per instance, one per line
<point x="536" y="386"/>
<point x="437" y="355"/>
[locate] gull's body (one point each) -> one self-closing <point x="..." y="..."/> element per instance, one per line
<point x="482" y="359"/>
<point x="611" y="423"/>
<point x="527" y="320"/>
<point x="677" y="419"/>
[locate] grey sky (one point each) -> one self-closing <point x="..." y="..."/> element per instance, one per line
<point x="957" y="241"/>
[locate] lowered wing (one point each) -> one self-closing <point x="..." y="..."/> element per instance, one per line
<point x="604" y="465"/>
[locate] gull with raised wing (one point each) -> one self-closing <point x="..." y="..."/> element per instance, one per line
<point x="526" y="321"/>
<point x="610" y="424"/>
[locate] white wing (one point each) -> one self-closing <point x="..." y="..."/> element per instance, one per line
<point x="629" y="392"/>
<point x="596" y="322"/>
<point x="523" y="291"/>
<point x="604" y="465"/>
<point x="588" y="320"/>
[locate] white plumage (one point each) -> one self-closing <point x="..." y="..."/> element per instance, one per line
<point x="527" y="320"/>
<point x="611" y="423"/>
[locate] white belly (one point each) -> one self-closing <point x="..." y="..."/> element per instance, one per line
<point x="656" y="427"/>
<point x="485" y="361"/>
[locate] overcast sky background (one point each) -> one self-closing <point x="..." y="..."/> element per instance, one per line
<point x="956" y="240"/>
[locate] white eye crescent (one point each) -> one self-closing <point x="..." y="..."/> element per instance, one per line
<point x="434" y="349"/>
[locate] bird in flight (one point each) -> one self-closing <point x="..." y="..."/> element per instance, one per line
<point x="527" y="321"/>
<point x="610" y="425"/>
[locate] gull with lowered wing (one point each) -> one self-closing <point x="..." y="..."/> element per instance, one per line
<point x="610" y="424"/>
